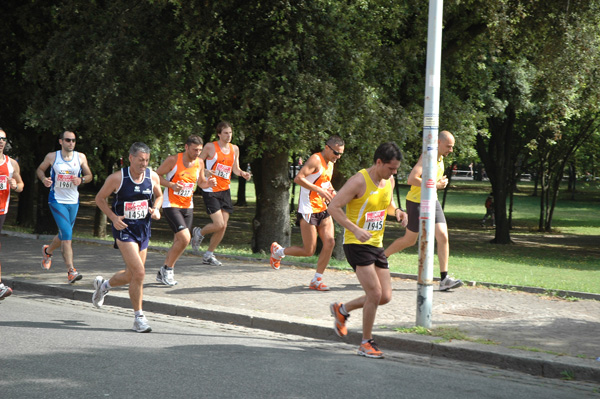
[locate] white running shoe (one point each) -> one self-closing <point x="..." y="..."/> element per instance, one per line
<point x="449" y="283"/>
<point x="99" y="293"/>
<point x="141" y="325"/>
<point x="197" y="238"/>
<point x="4" y="291"/>
<point x="166" y="276"/>
<point x="211" y="260"/>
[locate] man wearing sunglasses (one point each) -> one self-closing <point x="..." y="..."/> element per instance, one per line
<point x="68" y="170"/>
<point x="315" y="193"/>
<point x="10" y="179"/>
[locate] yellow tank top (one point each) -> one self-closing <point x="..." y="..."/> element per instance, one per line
<point x="414" y="194"/>
<point x="369" y="211"/>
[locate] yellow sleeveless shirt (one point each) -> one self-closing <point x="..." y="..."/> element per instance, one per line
<point x="414" y="194"/>
<point x="369" y="211"/>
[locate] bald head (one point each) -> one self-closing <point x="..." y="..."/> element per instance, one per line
<point x="445" y="143"/>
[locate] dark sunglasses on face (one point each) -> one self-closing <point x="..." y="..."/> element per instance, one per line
<point x="69" y="140"/>
<point x="3" y="139"/>
<point x="336" y="153"/>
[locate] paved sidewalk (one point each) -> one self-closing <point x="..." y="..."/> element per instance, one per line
<point x="562" y="336"/>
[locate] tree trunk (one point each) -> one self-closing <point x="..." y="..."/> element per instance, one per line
<point x="272" y="219"/>
<point x="45" y="223"/>
<point x="100" y="221"/>
<point x="241" y="192"/>
<point x="25" y="211"/>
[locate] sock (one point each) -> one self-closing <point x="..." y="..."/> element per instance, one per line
<point x="207" y="254"/>
<point x="139" y="313"/>
<point x="317" y="276"/>
<point x="364" y="341"/>
<point x="106" y="286"/>
<point x="343" y="310"/>
<point x="443" y="274"/>
<point x="280" y="252"/>
<point x="167" y="267"/>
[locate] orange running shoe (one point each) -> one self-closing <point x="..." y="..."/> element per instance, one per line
<point x="370" y="349"/>
<point x="318" y="285"/>
<point x="46" y="258"/>
<point x="339" y="325"/>
<point x="73" y="275"/>
<point x="275" y="260"/>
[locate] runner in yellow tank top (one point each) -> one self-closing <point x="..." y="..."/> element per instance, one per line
<point x="316" y="191"/>
<point x="368" y="199"/>
<point x="180" y="174"/>
<point x="413" y="200"/>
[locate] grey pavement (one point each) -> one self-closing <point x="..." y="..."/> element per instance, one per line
<point x="523" y="331"/>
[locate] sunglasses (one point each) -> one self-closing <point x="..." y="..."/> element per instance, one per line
<point x="3" y="139"/>
<point x="336" y="153"/>
<point x="69" y="140"/>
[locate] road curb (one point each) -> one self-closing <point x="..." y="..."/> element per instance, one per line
<point x="534" y="363"/>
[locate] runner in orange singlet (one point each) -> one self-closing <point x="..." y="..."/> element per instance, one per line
<point x="180" y="174"/>
<point x="10" y="179"/>
<point x="221" y="159"/>
<point x="315" y="193"/>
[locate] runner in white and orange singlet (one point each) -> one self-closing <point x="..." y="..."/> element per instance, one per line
<point x="221" y="159"/>
<point x="180" y="174"/>
<point x="10" y="179"/>
<point x="316" y="191"/>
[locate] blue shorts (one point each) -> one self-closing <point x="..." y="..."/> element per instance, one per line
<point x="64" y="215"/>
<point x="136" y="233"/>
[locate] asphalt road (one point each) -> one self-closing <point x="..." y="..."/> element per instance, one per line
<point x="59" y="348"/>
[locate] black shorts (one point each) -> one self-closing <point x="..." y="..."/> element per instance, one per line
<point x="413" y="210"/>
<point x="313" y="218"/>
<point x="179" y="218"/>
<point x="365" y="255"/>
<point x="214" y="202"/>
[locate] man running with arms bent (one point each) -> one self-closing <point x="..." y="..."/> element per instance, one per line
<point x="315" y="193"/>
<point x="133" y="206"/>
<point x="368" y="197"/>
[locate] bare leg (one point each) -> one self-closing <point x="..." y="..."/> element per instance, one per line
<point x="216" y="228"/>
<point x="133" y="274"/>
<point x="180" y="242"/>
<point x="407" y="240"/>
<point x="443" y="245"/>
<point x="66" y="247"/>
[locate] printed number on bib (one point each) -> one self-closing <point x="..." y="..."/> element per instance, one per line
<point x="3" y="182"/>
<point x="135" y="209"/>
<point x="64" y="181"/>
<point x="186" y="191"/>
<point x="374" y="220"/>
<point x="223" y="171"/>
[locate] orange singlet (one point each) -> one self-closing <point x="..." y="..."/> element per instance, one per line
<point x="222" y="165"/>
<point x="188" y="178"/>
<point x="6" y="172"/>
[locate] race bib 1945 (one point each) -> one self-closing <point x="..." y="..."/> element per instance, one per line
<point x="374" y="220"/>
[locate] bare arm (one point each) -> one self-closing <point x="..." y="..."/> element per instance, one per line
<point x="41" y="170"/>
<point x="414" y="179"/>
<point x="87" y="173"/>
<point x="158" y="196"/>
<point x="111" y="184"/>
<point x="354" y="188"/>
<point x="311" y="166"/>
<point x="203" y="181"/>
<point x="236" y="164"/>
<point x="16" y="183"/>
<point x="165" y="168"/>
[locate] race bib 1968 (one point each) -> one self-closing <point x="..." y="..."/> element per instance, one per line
<point x="135" y="209"/>
<point x="374" y="220"/>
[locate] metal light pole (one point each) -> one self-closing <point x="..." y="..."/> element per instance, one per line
<point x="430" y="150"/>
